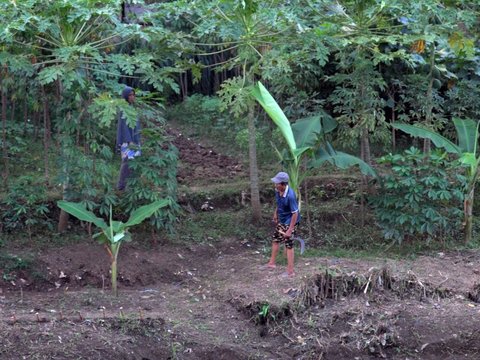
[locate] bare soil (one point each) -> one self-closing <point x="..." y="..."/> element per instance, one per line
<point x="204" y="302"/>
<point x="200" y="163"/>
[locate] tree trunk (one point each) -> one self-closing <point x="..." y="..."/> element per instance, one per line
<point x="427" y="145"/>
<point x="183" y="85"/>
<point x="4" y="128"/>
<point x="13" y="106"/>
<point x="468" y="209"/>
<point x="365" y="147"/>
<point x="36" y="125"/>
<point x="63" y="218"/>
<point x="252" y="152"/>
<point x="394" y="140"/>
<point x="46" y="135"/>
<point x="25" y="112"/>
<point x="307" y="208"/>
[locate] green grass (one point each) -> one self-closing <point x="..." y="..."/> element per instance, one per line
<point x="212" y="226"/>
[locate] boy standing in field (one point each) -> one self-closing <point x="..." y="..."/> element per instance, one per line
<point x="286" y="218"/>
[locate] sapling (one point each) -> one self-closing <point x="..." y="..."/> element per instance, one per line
<point x="116" y="232"/>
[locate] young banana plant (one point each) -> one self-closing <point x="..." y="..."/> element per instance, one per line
<point x="116" y="232"/>
<point x="305" y="138"/>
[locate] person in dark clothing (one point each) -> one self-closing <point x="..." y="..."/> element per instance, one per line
<point x="128" y="139"/>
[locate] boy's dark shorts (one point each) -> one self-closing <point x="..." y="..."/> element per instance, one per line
<point x="279" y="238"/>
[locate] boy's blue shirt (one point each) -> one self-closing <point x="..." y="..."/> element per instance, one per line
<point x="286" y="206"/>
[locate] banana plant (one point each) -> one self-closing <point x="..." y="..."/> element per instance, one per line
<point x="116" y="232"/>
<point x="305" y="138"/>
<point x="467" y="153"/>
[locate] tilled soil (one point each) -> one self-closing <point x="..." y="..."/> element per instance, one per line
<point x="214" y="301"/>
<point x="201" y="163"/>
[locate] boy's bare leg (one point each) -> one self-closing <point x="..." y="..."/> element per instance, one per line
<point x="290" y="261"/>
<point x="275" y="248"/>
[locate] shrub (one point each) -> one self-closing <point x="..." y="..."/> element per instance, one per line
<point x="421" y="197"/>
<point x="25" y="206"/>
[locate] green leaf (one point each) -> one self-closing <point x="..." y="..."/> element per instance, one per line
<point x="145" y="212"/>
<point x="437" y="139"/>
<point x="118" y="237"/>
<point x="80" y="212"/>
<point x="102" y="238"/>
<point x="261" y="94"/>
<point x="117" y="226"/>
<point x="50" y="74"/>
<point x="307" y="130"/>
<point x="467" y="132"/>
<point x="468" y="159"/>
<point x="342" y="161"/>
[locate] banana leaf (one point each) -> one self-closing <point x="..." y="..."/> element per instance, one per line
<point x="437" y="139"/>
<point x="145" y="211"/>
<point x="81" y="213"/>
<point x="467" y="133"/>
<point x="307" y="130"/>
<point x="261" y="94"/>
<point x="341" y="160"/>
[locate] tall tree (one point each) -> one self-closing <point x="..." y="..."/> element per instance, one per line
<point x="245" y="31"/>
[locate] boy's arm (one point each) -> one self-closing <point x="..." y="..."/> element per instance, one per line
<point x="293" y="221"/>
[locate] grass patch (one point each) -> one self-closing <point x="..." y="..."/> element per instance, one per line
<point x="212" y="226"/>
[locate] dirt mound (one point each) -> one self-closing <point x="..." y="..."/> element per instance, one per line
<point x="202" y="164"/>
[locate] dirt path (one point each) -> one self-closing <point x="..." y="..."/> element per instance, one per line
<point x="203" y="302"/>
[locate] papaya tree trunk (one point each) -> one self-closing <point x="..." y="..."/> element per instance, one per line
<point x="365" y="147"/>
<point x="252" y="154"/>
<point x="468" y="209"/>
<point x="46" y="135"/>
<point x="63" y="218"/>
<point x="25" y="112"/>
<point x="394" y="140"/>
<point x="427" y="145"/>
<point x="13" y="107"/>
<point x="4" y="128"/>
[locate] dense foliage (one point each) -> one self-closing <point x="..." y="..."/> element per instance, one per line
<point x="365" y="63"/>
<point x="421" y="198"/>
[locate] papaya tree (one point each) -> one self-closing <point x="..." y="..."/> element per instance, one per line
<point x="243" y="32"/>
<point x="363" y="36"/>
<point x="433" y="28"/>
<point x="113" y="234"/>
<point x="80" y="65"/>
<point x="466" y="151"/>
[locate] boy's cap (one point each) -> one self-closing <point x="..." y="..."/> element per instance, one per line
<point x="281" y="177"/>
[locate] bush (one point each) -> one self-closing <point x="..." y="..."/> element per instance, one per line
<point x="421" y="197"/>
<point x="25" y="206"/>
